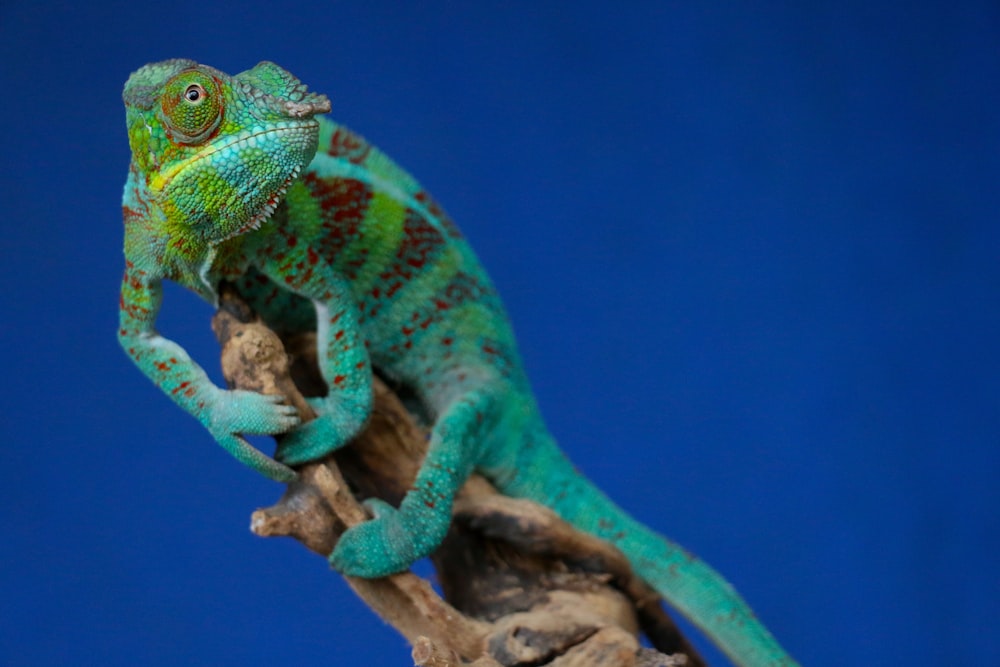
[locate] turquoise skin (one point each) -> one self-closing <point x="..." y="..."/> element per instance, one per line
<point x="236" y="178"/>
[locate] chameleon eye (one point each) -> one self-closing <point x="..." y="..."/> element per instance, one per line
<point x="194" y="93"/>
<point x="192" y="106"/>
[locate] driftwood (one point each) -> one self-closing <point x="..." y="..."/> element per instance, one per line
<point x="522" y="586"/>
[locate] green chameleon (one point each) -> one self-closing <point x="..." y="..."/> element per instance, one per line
<point x="226" y="183"/>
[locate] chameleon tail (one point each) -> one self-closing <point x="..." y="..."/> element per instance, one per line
<point x="686" y="582"/>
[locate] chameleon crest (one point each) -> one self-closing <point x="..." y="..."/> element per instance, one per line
<point x="234" y="178"/>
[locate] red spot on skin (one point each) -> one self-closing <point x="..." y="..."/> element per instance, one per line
<point x="489" y="349"/>
<point x="420" y="243"/>
<point x="360" y="365"/>
<point x="163" y="366"/>
<point x="447" y="341"/>
<point x="408" y="331"/>
<point x="338" y="380"/>
<point x="429" y="503"/>
<point x="343" y="203"/>
<point x="346" y="144"/>
<point x="440" y="305"/>
<point x="339" y="335"/>
<point x="289" y="279"/>
<point x="313" y="256"/>
<point x="190" y="392"/>
<point x="435" y="210"/>
<point x="292" y="240"/>
<point x="182" y="385"/>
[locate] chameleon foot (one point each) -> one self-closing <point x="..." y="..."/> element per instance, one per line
<point x="384" y="545"/>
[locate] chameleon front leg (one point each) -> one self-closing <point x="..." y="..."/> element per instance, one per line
<point x="225" y="413"/>
<point x="344" y="364"/>
<point x="395" y="538"/>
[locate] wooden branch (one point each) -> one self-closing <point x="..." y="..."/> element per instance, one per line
<point x="523" y="587"/>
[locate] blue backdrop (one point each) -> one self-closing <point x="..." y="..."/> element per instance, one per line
<point x="751" y="256"/>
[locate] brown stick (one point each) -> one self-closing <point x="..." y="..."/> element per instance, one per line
<point x="510" y="568"/>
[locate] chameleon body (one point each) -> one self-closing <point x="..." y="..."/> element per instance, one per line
<point x="236" y="178"/>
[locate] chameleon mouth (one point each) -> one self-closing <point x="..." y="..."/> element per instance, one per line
<point x="240" y="141"/>
<point x="251" y="140"/>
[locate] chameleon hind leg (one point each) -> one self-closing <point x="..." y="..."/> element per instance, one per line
<point x="395" y="538"/>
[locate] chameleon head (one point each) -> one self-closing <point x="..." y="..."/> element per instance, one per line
<point x="215" y="153"/>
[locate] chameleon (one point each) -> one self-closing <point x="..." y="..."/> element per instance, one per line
<point x="242" y="179"/>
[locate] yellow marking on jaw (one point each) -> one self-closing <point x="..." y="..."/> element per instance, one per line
<point x="167" y="173"/>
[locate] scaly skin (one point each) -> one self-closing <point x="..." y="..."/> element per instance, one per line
<point x="226" y="184"/>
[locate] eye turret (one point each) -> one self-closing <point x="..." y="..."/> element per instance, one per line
<point x="191" y="106"/>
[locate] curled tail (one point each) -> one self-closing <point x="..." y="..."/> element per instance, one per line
<point x="700" y="593"/>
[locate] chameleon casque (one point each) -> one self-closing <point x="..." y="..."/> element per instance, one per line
<point x="226" y="183"/>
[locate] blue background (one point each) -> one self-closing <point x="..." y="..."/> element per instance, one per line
<point x="751" y="256"/>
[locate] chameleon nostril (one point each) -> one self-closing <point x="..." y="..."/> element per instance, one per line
<point x="302" y="109"/>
